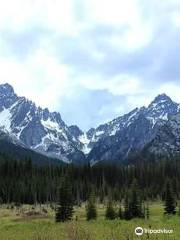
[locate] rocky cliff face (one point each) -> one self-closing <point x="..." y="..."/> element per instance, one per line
<point x="45" y="132"/>
<point x="115" y="140"/>
<point x="166" y="143"/>
<point x="37" y="128"/>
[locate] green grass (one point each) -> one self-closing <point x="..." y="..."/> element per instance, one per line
<point x="19" y="224"/>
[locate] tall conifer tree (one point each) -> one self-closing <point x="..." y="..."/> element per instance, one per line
<point x="64" y="211"/>
<point x="170" y="203"/>
<point x="91" y="212"/>
<point x="110" y="212"/>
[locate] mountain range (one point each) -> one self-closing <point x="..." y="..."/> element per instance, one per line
<point x="154" y="129"/>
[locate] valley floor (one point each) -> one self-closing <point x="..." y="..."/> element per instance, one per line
<point x="37" y="223"/>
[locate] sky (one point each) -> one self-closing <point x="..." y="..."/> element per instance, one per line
<point x="91" y="60"/>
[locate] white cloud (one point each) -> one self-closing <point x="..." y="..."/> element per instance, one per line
<point x="51" y="14"/>
<point x="133" y="38"/>
<point x="46" y="78"/>
<point x="140" y="100"/>
<point x="40" y="78"/>
<point x="112" y="12"/>
<point x="176" y="18"/>
<point x="172" y="89"/>
<point x="121" y="84"/>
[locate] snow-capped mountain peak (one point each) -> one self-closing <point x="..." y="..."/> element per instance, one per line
<point x="161" y="108"/>
<point x="37" y="128"/>
<point x="45" y="132"/>
<point x="6" y="90"/>
<point x="161" y="98"/>
<point x="132" y="131"/>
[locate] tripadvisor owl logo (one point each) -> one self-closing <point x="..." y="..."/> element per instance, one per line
<point x="139" y="231"/>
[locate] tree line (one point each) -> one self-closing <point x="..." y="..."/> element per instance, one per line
<point x="24" y="182"/>
<point x="132" y="186"/>
<point x="134" y="207"/>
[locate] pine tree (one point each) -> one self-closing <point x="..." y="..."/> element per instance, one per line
<point x="170" y="203"/>
<point x="64" y="211"/>
<point x="91" y="212"/>
<point x="179" y="209"/>
<point x="120" y="213"/>
<point x="147" y="212"/>
<point x="127" y="214"/>
<point x="110" y="212"/>
<point x="135" y="205"/>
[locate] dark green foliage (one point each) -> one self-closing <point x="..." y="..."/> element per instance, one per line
<point x="133" y="204"/>
<point x="24" y="182"/>
<point x="179" y="209"/>
<point x="147" y="213"/>
<point x="64" y="211"/>
<point x="110" y="212"/>
<point x="120" y="213"/>
<point x="91" y="212"/>
<point x="170" y="203"/>
<point x="127" y="214"/>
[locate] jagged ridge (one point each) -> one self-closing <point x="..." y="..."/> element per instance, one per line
<point x="45" y="132"/>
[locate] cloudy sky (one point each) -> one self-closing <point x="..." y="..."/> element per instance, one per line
<point x="91" y="60"/>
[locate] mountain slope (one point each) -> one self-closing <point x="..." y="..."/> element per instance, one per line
<point x="44" y="132"/>
<point x="37" y="128"/>
<point x="166" y="143"/>
<point x="130" y="132"/>
<point x="17" y="152"/>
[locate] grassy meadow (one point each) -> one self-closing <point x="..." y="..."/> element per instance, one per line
<point x="37" y="223"/>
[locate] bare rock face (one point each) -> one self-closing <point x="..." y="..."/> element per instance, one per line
<point x="45" y="132"/>
<point x="167" y="140"/>
<point x="37" y="128"/>
<point x="130" y="133"/>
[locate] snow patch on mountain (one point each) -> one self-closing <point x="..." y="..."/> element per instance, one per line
<point x="85" y="141"/>
<point x="114" y="130"/>
<point x="37" y="128"/>
<point x="99" y="133"/>
<point x="45" y="132"/>
<point x="50" y="124"/>
<point x="5" y="120"/>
